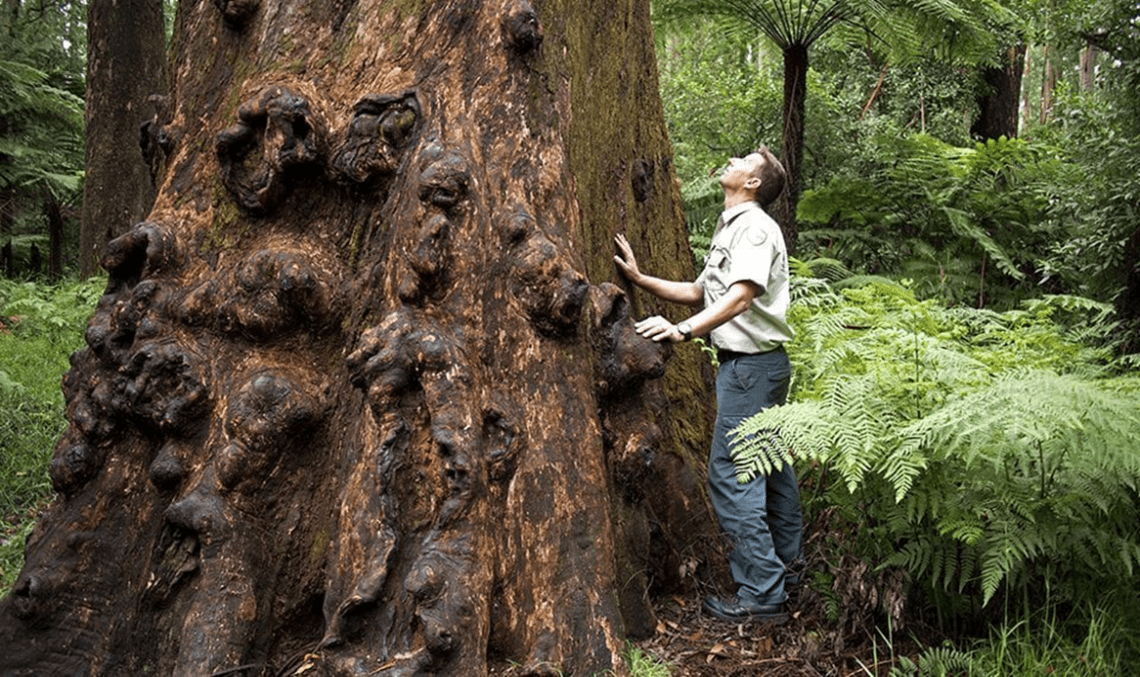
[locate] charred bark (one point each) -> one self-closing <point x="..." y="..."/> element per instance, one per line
<point x="361" y="396"/>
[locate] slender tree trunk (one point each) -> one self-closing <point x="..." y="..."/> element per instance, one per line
<point x="1088" y="67"/>
<point x="363" y="396"/>
<point x="1048" y="85"/>
<point x="125" y="68"/>
<point x="54" y="213"/>
<point x="795" y="93"/>
<point x="878" y="89"/>
<point x="999" y="104"/>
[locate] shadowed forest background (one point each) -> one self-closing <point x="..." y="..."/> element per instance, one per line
<point x="965" y="219"/>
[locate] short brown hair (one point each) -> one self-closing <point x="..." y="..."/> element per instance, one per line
<point x="772" y="177"/>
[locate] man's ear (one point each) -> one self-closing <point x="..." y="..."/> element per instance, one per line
<point x="752" y="183"/>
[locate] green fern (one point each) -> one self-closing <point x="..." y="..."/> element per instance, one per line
<point x="986" y="448"/>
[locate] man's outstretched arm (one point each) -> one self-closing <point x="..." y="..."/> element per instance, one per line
<point x="686" y="293"/>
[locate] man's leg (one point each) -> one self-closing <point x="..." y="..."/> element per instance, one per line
<point x="785" y="518"/>
<point x="745" y="386"/>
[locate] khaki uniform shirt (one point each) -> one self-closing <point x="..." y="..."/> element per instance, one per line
<point x="749" y="246"/>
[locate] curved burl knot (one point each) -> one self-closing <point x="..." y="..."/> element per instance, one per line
<point x="160" y="388"/>
<point x="393" y="356"/>
<point x="627" y="359"/>
<point x="145" y="250"/>
<point x="134" y="299"/>
<point x="237" y="13"/>
<point x="550" y="290"/>
<point x="163" y="388"/>
<point x="271" y="294"/>
<point x="641" y="179"/>
<point x="443" y="191"/>
<point x="280" y="127"/>
<point x="521" y="27"/>
<point x="382" y="127"/>
<point x="272" y="411"/>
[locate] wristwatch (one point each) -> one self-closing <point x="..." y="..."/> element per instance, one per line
<point x="686" y="330"/>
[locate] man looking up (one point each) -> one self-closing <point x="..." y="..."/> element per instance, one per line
<point x="744" y="293"/>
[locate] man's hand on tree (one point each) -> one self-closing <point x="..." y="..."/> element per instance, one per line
<point x="659" y="329"/>
<point x="626" y="261"/>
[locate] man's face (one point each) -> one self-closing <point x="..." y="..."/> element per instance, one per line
<point x="740" y="170"/>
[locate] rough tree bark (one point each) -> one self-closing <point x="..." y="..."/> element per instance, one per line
<point x="126" y="75"/>
<point x="363" y="395"/>
<point x="999" y="104"/>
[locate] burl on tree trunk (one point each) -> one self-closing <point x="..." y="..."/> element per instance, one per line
<point x="363" y="395"/>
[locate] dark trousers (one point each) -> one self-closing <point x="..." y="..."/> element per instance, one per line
<point x="762" y="518"/>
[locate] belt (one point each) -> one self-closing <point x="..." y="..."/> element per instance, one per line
<point x="723" y="355"/>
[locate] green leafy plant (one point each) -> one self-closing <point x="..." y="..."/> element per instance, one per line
<point x="40" y="325"/>
<point x="644" y="664"/>
<point x="979" y="451"/>
<point x="966" y="224"/>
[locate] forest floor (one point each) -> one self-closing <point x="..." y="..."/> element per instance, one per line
<point x="697" y="645"/>
<point x="834" y="633"/>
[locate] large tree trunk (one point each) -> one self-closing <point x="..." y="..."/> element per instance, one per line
<point x="999" y="104"/>
<point x="362" y="397"/>
<point x="126" y="71"/>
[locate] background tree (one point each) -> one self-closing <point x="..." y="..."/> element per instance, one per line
<point x="126" y="93"/>
<point x="41" y="129"/>
<point x="1101" y="257"/>
<point x="360" y="397"/>
<point x="794" y="29"/>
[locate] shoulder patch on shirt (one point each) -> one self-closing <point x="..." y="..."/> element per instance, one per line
<point x="757" y="236"/>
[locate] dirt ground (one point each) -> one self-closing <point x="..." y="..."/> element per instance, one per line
<point x="844" y="643"/>
<point x="696" y="645"/>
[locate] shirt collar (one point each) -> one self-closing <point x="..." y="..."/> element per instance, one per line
<point x="733" y="212"/>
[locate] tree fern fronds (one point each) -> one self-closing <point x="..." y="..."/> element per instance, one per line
<point x="915" y="556"/>
<point x="943" y="660"/>
<point x="1098" y="310"/>
<point x="812" y="293"/>
<point x="902" y="470"/>
<point x="832" y="270"/>
<point x="962" y="225"/>
<point x="805" y="432"/>
<point x="857" y="281"/>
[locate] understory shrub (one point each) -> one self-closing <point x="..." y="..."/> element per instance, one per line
<point x="991" y="456"/>
<point x="40" y="326"/>
<point x="965" y="224"/>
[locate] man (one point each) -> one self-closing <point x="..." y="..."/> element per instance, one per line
<point x="744" y="293"/>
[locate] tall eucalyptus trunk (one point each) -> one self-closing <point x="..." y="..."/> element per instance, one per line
<point x="363" y="395"/>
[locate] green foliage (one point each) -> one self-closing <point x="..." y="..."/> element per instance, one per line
<point x="42" y="131"/>
<point x="1086" y="642"/>
<point x="721" y="96"/>
<point x="643" y="664"/>
<point x="967" y="225"/>
<point x="1097" y="202"/>
<point x="40" y="325"/>
<point x="42" y="68"/>
<point x="979" y="450"/>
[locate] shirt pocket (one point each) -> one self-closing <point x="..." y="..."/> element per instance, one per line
<point x="716" y="269"/>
